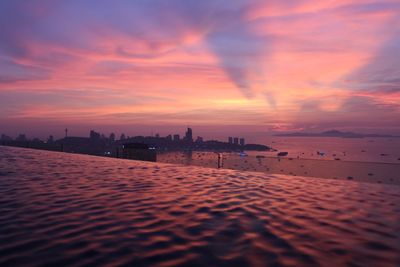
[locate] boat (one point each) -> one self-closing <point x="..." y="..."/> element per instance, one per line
<point x="243" y="154"/>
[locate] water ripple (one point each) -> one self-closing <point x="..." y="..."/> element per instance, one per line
<point x="61" y="209"/>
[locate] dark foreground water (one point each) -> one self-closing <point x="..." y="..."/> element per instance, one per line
<point x="61" y="209"/>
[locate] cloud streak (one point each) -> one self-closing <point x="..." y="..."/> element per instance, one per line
<point x="267" y="59"/>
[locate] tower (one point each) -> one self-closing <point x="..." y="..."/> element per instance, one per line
<point x="66" y="132"/>
<point x="189" y="135"/>
<point x="241" y="141"/>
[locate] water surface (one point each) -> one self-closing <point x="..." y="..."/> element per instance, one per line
<point x="63" y="209"/>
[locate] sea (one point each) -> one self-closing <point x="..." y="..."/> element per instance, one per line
<point x="375" y="160"/>
<point x="380" y="149"/>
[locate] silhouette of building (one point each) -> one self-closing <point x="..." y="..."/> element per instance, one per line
<point x="21" y="137"/>
<point x="5" y="138"/>
<point x="230" y="140"/>
<point x="176" y="137"/>
<point x="94" y="135"/>
<point x="199" y="139"/>
<point x="168" y="137"/>
<point x="236" y="141"/>
<point x="189" y="135"/>
<point x="122" y="137"/>
<point x="157" y="135"/>
<point x="139" y="151"/>
<point x="112" y="137"/>
<point x="241" y="141"/>
<point x="66" y="132"/>
<point x="50" y="140"/>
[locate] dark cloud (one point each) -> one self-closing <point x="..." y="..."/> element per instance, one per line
<point x="146" y="29"/>
<point x="270" y="99"/>
<point x="381" y="73"/>
<point x="240" y="53"/>
<point x="13" y="72"/>
<point x="356" y="9"/>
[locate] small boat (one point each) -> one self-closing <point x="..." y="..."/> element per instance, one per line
<point x="282" y="154"/>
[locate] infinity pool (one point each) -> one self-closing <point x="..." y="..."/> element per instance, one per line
<point x="59" y="209"/>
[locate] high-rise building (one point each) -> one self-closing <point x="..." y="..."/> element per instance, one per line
<point x="176" y="137"/>
<point x="241" y="141"/>
<point x="94" y="135"/>
<point x="50" y="139"/>
<point x="112" y="137"/>
<point x="21" y="137"/>
<point x="189" y="135"/>
<point x="5" y="138"/>
<point x="230" y="140"/>
<point x="236" y="141"/>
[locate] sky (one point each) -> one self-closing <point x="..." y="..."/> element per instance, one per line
<point x="149" y="66"/>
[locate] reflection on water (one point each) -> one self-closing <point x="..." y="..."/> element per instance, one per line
<point x="64" y="209"/>
<point x="376" y="172"/>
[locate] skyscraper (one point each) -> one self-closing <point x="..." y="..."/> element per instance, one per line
<point x="189" y="135"/>
<point x="236" y="141"/>
<point x="230" y="140"/>
<point x="241" y="141"/>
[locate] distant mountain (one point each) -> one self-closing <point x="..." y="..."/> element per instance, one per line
<point x="334" y="133"/>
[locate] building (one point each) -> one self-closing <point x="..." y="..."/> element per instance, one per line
<point x="176" y="137"/>
<point x="139" y="151"/>
<point x="94" y="135"/>
<point x="21" y="138"/>
<point x="112" y="137"/>
<point x="189" y="135"/>
<point x="168" y="137"/>
<point x="5" y="138"/>
<point x="199" y="139"/>
<point x="241" y="141"/>
<point x="50" y="140"/>
<point x="236" y="141"/>
<point x="230" y="140"/>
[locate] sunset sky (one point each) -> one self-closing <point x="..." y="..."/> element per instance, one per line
<point x="264" y="66"/>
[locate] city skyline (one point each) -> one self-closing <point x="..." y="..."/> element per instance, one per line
<point x="249" y="67"/>
<point x="112" y="136"/>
